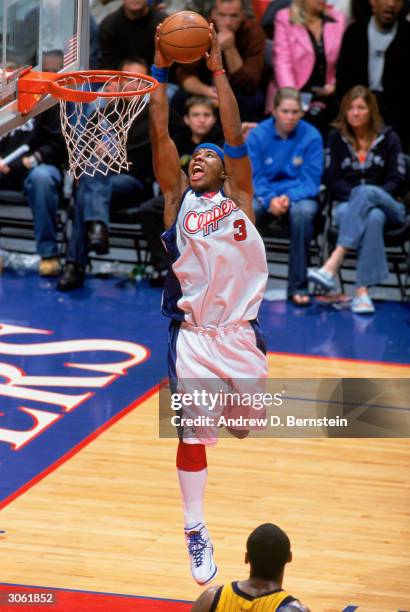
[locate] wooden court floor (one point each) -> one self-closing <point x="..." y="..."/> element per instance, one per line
<point x="109" y="519"/>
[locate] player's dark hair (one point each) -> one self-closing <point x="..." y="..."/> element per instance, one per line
<point x="200" y="100"/>
<point x="268" y="549"/>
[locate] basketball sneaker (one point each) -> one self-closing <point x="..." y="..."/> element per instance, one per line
<point x="200" y="552"/>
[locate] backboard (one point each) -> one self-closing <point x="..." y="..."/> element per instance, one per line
<point x="46" y="35"/>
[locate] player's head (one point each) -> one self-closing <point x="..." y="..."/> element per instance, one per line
<point x="267" y="552"/>
<point x="206" y="170"/>
<point x="200" y="116"/>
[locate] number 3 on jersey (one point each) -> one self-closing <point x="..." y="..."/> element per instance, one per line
<point x="241" y="234"/>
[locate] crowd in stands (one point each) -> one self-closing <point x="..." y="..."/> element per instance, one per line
<point x="39" y="172"/>
<point x="309" y="77"/>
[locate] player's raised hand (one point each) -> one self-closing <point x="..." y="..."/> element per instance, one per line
<point x="213" y="58"/>
<point x="161" y="59"/>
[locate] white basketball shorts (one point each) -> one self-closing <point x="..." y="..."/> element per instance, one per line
<point x="212" y="370"/>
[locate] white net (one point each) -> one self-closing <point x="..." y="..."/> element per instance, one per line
<point x="96" y="132"/>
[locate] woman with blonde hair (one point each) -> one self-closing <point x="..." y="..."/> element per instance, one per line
<point x="306" y="46"/>
<point x="365" y="173"/>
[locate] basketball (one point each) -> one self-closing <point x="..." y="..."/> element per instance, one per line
<point x="185" y="36"/>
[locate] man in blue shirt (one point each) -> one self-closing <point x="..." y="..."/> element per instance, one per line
<point x="287" y="164"/>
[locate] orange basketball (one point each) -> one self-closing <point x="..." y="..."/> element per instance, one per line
<point x="185" y="36"/>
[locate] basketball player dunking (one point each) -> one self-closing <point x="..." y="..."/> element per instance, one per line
<point x="216" y="280"/>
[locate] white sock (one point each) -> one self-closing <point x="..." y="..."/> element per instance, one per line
<point x="192" y="486"/>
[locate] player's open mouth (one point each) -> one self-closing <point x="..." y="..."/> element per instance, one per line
<point x="197" y="172"/>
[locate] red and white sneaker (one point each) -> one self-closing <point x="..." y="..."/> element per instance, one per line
<point x="200" y="552"/>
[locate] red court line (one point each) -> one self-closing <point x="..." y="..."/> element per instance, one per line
<point x="347" y="359"/>
<point x="80" y="445"/>
<point x="63" y="600"/>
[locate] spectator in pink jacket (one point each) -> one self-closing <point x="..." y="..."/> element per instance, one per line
<point x="306" y="46"/>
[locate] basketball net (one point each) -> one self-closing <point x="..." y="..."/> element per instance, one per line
<point x="96" y="131"/>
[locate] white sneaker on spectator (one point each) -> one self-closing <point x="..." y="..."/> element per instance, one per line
<point x="322" y="278"/>
<point x="200" y="552"/>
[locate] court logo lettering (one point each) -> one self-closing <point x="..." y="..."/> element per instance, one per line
<point x="22" y="386"/>
<point x="55" y="402"/>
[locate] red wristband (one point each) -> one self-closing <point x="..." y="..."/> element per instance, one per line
<point x="218" y="72"/>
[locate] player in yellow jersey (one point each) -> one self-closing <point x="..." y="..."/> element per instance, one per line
<point x="267" y="552"/>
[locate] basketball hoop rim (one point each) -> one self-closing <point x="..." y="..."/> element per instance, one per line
<point x="80" y="77"/>
<point x="96" y="138"/>
<point x="32" y="85"/>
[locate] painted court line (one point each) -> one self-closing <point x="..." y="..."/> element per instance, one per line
<point x="79" y="446"/>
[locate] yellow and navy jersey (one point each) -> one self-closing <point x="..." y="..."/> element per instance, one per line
<point x="230" y="598"/>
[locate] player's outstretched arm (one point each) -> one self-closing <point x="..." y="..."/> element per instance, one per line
<point x="237" y="164"/>
<point x="166" y="163"/>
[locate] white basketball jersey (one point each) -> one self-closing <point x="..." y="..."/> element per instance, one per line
<point x="218" y="269"/>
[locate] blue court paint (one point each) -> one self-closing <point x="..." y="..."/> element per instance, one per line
<point x="320" y="330"/>
<point x="104" y="310"/>
<point x="350" y="609"/>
